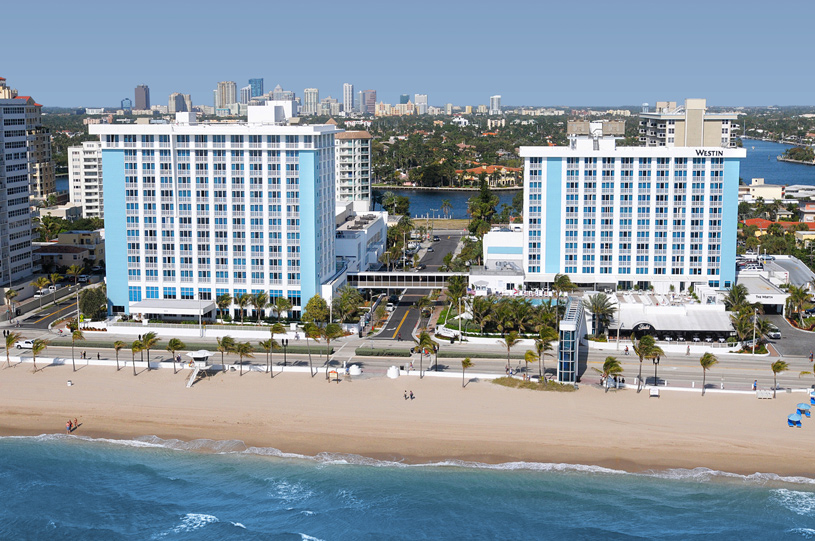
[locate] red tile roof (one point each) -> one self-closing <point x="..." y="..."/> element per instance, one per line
<point x="762" y="224"/>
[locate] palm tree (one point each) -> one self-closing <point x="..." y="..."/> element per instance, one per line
<point x="74" y="271"/>
<point x="707" y="361"/>
<point x="36" y="348"/>
<point x="481" y="309"/>
<point x="601" y="309"/>
<point x="149" y="341"/>
<point x="54" y="280"/>
<point x="456" y="290"/>
<point x="778" y="367"/>
<point x="330" y="332"/>
<point x="736" y="298"/>
<point x="509" y="341"/>
<point x="243" y="301"/>
<point x="645" y="348"/>
<point x="10" y="295"/>
<point x="118" y="345"/>
<point x="424" y="341"/>
<point x="11" y="341"/>
<point x="136" y="347"/>
<point x="259" y="300"/>
<point x="465" y="364"/>
<point x="798" y="301"/>
<point x="223" y="302"/>
<point x="225" y="345"/>
<point x="611" y="368"/>
<point x="311" y="330"/>
<point x="421" y="305"/>
<point x="40" y="283"/>
<point x="76" y="334"/>
<point x="243" y="349"/>
<point x="446" y="207"/>
<point x="268" y="346"/>
<point x="172" y="346"/>
<point x="742" y="323"/>
<point x="530" y="357"/>
<point x="281" y="304"/>
<point x="562" y="284"/>
<point x="543" y="343"/>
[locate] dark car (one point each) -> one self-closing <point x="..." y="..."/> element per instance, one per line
<point x="436" y="238"/>
<point x="393" y="299"/>
<point x="421" y="266"/>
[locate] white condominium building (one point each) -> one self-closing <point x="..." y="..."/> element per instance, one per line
<point x="348" y="98"/>
<point x="495" y="105"/>
<point x="629" y="216"/>
<point x="85" y="178"/>
<point x="311" y="101"/>
<point x="686" y="126"/>
<point x="353" y="168"/>
<point x="16" y="169"/>
<point x="197" y="210"/>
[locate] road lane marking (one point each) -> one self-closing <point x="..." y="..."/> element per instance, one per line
<point x="54" y="313"/>
<point x="400" y="323"/>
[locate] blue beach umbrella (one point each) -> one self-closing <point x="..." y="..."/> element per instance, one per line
<point x="803" y="409"/>
<point x="794" y="420"/>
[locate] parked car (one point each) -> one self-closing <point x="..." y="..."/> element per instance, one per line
<point x="436" y="238"/>
<point x="419" y="267"/>
<point x="390" y="307"/>
<point x="430" y="249"/>
<point x="82" y="278"/>
<point x="25" y="344"/>
<point x="774" y="334"/>
<point x="39" y="294"/>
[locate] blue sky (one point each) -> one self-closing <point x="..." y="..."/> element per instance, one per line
<point x="531" y="52"/>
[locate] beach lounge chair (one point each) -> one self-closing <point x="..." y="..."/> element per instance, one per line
<point x="654" y="393"/>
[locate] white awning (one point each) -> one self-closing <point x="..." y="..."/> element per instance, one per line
<point x="686" y="318"/>
<point x="173" y="307"/>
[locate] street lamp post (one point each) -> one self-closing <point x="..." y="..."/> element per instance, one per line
<point x="285" y="344"/>
<point x="755" y="321"/>
<point x="656" y="364"/>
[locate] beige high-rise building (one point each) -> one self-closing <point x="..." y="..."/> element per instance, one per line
<point x="226" y="94"/>
<point x="311" y="100"/>
<point x="688" y="125"/>
<point x="352" y="160"/>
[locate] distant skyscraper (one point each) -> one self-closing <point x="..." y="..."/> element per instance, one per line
<point x="347" y="97"/>
<point x="257" y="87"/>
<point x="448" y="109"/>
<point x="420" y="100"/>
<point x="246" y="94"/>
<point x="278" y="94"/>
<point x="495" y="105"/>
<point x="360" y="103"/>
<point x="127" y="103"/>
<point x="142" y="97"/>
<point x="226" y="94"/>
<point x="404" y="98"/>
<point x="179" y="103"/>
<point x="368" y="104"/>
<point x="311" y="100"/>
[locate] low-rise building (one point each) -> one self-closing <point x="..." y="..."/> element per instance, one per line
<point x="60" y="256"/>
<point x="757" y="188"/>
<point x="93" y="241"/>
<point x="497" y="175"/>
<point x="360" y="239"/>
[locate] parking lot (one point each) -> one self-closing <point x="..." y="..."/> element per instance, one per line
<point x="793" y="342"/>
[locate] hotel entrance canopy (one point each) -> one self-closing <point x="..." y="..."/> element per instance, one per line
<point x="172" y="307"/>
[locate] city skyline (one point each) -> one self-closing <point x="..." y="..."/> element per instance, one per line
<point x="433" y="60"/>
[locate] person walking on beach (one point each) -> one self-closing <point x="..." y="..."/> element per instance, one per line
<point x="411" y="395"/>
<point x="98" y="356"/>
<point x="755" y="384"/>
<point x="76" y="423"/>
<point x="68" y="426"/>
<point x="406" y="394"/>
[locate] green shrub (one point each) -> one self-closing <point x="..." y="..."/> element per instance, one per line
<point x="535" y="385"/>
<point x="376" y="352"/>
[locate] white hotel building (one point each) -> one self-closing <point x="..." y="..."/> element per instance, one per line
<point x="608" y="215"/>
<point x="194" y="210"/>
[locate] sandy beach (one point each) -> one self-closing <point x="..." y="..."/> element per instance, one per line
<point x="370" y="417"/>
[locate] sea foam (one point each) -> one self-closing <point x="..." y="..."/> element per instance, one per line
<point x="327" y="459"/>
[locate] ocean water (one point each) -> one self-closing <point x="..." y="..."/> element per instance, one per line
<point x="65" y="487"/>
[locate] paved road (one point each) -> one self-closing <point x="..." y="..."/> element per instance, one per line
<point x="793" y="342"/>
<point x="404" y="318"/>
<point x="447" y="243"/>
<point x="43" y="318"/>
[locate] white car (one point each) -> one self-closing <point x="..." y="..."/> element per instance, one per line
<point x="25" y="344"/>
